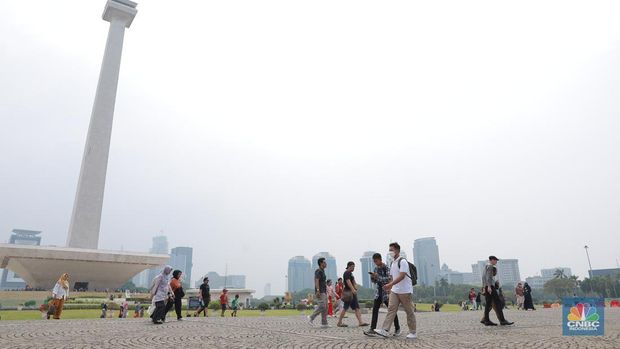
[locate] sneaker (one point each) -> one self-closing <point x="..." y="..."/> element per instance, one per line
<point x="412" y="336"/>
<point x="396" y="333"/>
<point x="180" y="319"/>
<point x="370" y="333"/>
<point x="310" y="320"/>
<point x="158" y="322"/>
<point x="382" y="333"/>
<point x="325" y="326"/>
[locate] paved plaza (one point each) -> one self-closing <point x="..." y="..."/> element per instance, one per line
<point x="540" y="329"/>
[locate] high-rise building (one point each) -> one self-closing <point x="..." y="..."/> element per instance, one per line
<point x="300" y="275"/>
<point x="507" y="271"/>
<point x="10" y="280"/>
<point x="367" y="266"/>
<point x="217" y="281"/>
<point x="267" y="289"/>
<point x="160" y="246"/>
<point x="181" y="258"/>
<point x="426" y="259"/>
<point x="332" y="269"/>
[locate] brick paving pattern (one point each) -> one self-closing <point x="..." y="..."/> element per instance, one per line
<point x="539" y="329"/>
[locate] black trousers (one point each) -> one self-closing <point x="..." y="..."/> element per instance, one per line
<point x="177" y="305"/>
<point x="375" y="314"/>
<point x="160" y="311"/>
<point x="493" y="302"/>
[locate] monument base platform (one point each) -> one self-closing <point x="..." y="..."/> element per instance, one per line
<point x="41" y="266"/>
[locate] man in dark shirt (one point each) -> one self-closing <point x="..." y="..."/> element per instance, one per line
<point x="381" y="277"/>
<point x="320" y="291"/>
<point x="491" y="295"/>
<point x="349" y="296"/>
<point x="205" y="298"/>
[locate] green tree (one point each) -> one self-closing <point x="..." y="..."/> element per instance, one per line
<point x="559" y="274"/>
<point x="560" y="287"/>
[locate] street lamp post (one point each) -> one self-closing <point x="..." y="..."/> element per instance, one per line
<point x="590" y="265"/>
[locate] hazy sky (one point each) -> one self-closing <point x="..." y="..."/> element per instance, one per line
<point x="255" y="131"/>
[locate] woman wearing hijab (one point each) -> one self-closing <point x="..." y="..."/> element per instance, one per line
<point x="527" y="293"/>
<point x="60" y="294"/>
<point x="159" y="294"/>
<point x="177" y="294"/>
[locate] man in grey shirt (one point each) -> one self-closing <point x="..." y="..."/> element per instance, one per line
<point x="491" y="295"/>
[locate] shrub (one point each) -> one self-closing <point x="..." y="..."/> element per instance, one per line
<point x="30" y="303"/>
<point x="263" y="307"/>
<point x="215" y="305"/>
<point x="301" y="307"/>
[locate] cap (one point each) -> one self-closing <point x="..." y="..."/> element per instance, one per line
<point x="493" y="257"/>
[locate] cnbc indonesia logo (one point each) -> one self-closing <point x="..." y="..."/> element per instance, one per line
<point x="583" y="318"/>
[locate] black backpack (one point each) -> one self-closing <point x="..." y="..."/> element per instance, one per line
<point x="413" y="271"/>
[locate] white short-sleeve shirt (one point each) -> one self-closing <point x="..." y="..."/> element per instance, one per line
<point x="404" y="286"/>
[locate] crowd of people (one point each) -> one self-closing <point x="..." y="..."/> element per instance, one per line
<point x="394" y="289"/>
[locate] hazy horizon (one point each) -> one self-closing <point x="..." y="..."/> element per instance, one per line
<point x="255" y="132"/>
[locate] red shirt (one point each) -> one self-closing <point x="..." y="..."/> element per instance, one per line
<point x="223" y="298"/>
<point x="339" y="289"/>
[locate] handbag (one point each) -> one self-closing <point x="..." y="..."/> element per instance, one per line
<point x="347" y="296"/>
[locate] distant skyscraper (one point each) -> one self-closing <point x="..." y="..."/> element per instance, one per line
<point x="267" y="289"/>
<point x="451" y="276"/>
<point x="426" y="259"/>
<point x="508" y="272"/>
<point x="160" y="246"/>
<point x="300" y="274"/>
<point x="181" y="258"/>
<point x="332" y="269"/>
<point x="142" y="279"/>
<point x="217" y="281"/>
<point x="367" y="266"/>
<point x="10" y="280"/>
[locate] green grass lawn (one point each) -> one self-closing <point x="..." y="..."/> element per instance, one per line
<point x="95" y="313"/>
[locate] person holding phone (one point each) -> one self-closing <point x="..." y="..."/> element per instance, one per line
<point x="381" y="276"/>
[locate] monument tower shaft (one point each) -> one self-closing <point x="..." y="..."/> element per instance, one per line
<point x="86" y="216"/>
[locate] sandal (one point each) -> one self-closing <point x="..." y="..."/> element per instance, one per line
<point x="342" y="325"/>
<point x="363" y="324"/>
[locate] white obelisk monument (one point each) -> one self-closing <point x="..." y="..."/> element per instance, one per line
<point x="86" y="216"/>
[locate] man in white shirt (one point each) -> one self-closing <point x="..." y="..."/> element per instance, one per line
<point x="401" y="293"/>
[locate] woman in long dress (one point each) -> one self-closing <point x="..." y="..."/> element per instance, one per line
<point x="527" y="293"/>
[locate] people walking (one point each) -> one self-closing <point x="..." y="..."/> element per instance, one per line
<point x="491" y="295"/>
<point x="381" y="277"/>
<point x="520" y="295"/>
<point x="235" y="306"/>
<point x="349" y="297"/>
<point x="331" y="298"/>
<point x="320" y="290"/>
<point x="472" y="298"/>
<point x="479" y="300"/>
<point x="60" y="294"/>
<point x="177" y="294"/>
<point x="339" y="290"/>
<point x="528" y="303"/>
<point x="160" y="288"/>
<point x="205" y="297"/>
<point x="224" y="301"/>
<point x="401" y="288"/>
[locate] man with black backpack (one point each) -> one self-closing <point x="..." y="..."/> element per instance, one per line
<point x="404" y="276"/>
